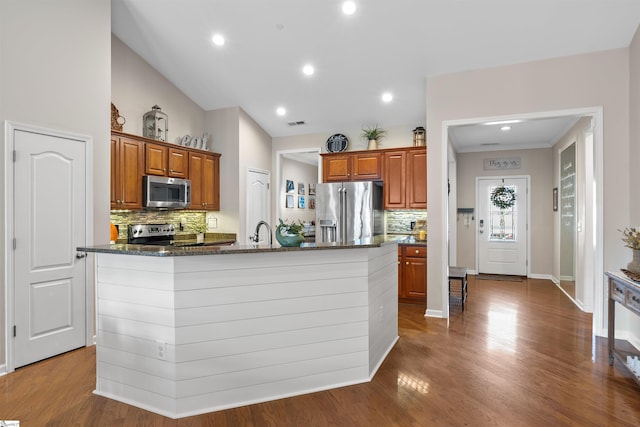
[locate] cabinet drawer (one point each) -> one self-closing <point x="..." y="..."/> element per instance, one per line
<point x="616" y="292"/>
<point x="415" y="251"/>
<point x="633" y="300"/>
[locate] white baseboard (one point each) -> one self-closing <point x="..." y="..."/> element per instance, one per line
<point x="434" y="313"/>
<point x="543" y="277"/>
<point x="3" y="370"/>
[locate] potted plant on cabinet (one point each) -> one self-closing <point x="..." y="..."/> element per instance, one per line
<point x="373" y="135"/>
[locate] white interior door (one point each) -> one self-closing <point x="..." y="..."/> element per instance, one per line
<point x="258" y="206"/>
<point x="502" y="232"/>
<point x="49" y="223"/>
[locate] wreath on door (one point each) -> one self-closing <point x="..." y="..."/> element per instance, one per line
<point x="503" y="197"/>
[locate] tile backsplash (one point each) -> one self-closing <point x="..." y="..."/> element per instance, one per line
<point x="399" y="221"/>
<point x="189" y="220"/>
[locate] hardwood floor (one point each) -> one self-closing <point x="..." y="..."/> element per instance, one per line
<point x="519" y="355"/>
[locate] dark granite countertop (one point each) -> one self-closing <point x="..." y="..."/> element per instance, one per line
<point x="218" y="248"/>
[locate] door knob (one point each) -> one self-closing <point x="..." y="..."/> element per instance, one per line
<point x="80" y="255"/>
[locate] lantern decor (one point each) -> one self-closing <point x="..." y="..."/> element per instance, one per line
<point x="419" y="137"/>
<point x="155" y="124"/>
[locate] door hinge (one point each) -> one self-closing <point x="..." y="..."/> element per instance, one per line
<point x="14" y="331"/>
<point x="268" y="185"/>
<point x="14" y="156"/>
<point x="14" y="243"/>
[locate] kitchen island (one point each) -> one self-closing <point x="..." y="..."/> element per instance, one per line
<point x="188" y="330"/>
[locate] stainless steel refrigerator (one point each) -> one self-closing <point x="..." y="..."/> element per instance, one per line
<point x="347" y="211"/>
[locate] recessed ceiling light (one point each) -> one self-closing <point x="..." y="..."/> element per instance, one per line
<point x="281" y="111"/>
<point x="218" y="40"/>
<point x="502" y="122"/>
<point x="348" y="8"/>
<point x="505" y="128"/>
<point x="387" y="97"/>
<point x="308" y="70"/>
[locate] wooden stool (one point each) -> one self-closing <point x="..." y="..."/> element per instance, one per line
<point x="459" y="275"/>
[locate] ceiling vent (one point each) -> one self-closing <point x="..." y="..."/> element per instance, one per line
<point x="299" y="123"/>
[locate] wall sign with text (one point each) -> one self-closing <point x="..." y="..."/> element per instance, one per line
<point x="502" y="164"/>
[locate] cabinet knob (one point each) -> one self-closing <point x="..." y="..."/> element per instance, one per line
<point x="407" y="262"/>
<point x="398" y="262"/>
<point x="417" y="251"/>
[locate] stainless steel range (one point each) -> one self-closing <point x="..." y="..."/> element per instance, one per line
<point x="151" y="234"/>
<point x="163" y="235"/>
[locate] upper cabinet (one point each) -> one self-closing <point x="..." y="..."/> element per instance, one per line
<point x="417" y="182"/>
<point x="132" y="157"/>
<point x="127" y="165"/>
<point x="204" y="170"/>
<point x="356" y="166"/>
<point x="405" y="178"/>
<point x="166" y="161"/>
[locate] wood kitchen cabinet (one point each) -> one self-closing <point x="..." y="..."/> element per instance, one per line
<point x="166" y="161"/>
<point x="127" y="165"/>
<point x="134" y="156"/>
<point x="405" y="178"/>
<point x="355" y="166"/>
<point x="204" y="173"/>
<point x="412" y="274"/>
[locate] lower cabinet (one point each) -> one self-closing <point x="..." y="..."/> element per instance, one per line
<point x="412" y="274"/>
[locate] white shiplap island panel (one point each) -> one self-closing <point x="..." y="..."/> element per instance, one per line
<point x="187" y="335"/>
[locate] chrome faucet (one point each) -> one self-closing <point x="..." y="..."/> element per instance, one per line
<point x="255" y="238"/>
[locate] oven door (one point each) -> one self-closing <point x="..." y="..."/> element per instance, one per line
<point x="160" y="192"/>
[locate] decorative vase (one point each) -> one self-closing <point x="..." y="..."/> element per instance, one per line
<point x="634" y="265"/>
<point x="373" y="144"/>
<point x="289" y="240"/>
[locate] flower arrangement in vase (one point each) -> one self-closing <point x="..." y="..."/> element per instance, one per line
<point x="631" y="239"/>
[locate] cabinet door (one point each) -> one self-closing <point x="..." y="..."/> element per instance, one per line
<point x="395" y="176"/>
<point x="128" y="174"/>
<point x="196" y="162"/>
<point x="366" y="167"/>
<point x="115" y="182"/>
<point x="155" y="159"/>
<point x="336" y="168"/>
<point x="417" y="182"/>
<point x="211" y="183"/>
<point x="178" y="163"/>
<point x="400" y="275"/>
<point x="415" y="277"/>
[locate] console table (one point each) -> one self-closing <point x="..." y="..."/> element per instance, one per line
<point x="625" y="292"/>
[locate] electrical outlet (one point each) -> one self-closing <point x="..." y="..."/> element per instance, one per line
<point x="162" y="350"/>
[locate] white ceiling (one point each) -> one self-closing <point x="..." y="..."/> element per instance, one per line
<point x="385" y="46"/>
<point x="534" y="133"/>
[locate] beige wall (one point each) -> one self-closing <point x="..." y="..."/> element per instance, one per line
<point x="222" y="125"/>
<point x="580" y="81"/>
<point x="255" y="149"/>
<point x="298" y="172"/>
<point x="634" y="155"/>
<point x="136" y="87"/>
<point x="535" y="163"/>
<point x="55" y="73"/>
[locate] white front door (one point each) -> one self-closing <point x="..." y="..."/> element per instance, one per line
<point x="258" y="206"/>
<point x="502" y="226"/>
<point x="49" y="223"/>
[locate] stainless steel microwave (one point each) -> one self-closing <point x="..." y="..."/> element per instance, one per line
<point x="160" y="192"/>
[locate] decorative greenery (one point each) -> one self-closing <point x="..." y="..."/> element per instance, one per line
<point x="631" y="237"/>
<point x="503" y="197"/>
<point x="290" y="228"/>
<point x="370" y="133"/>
